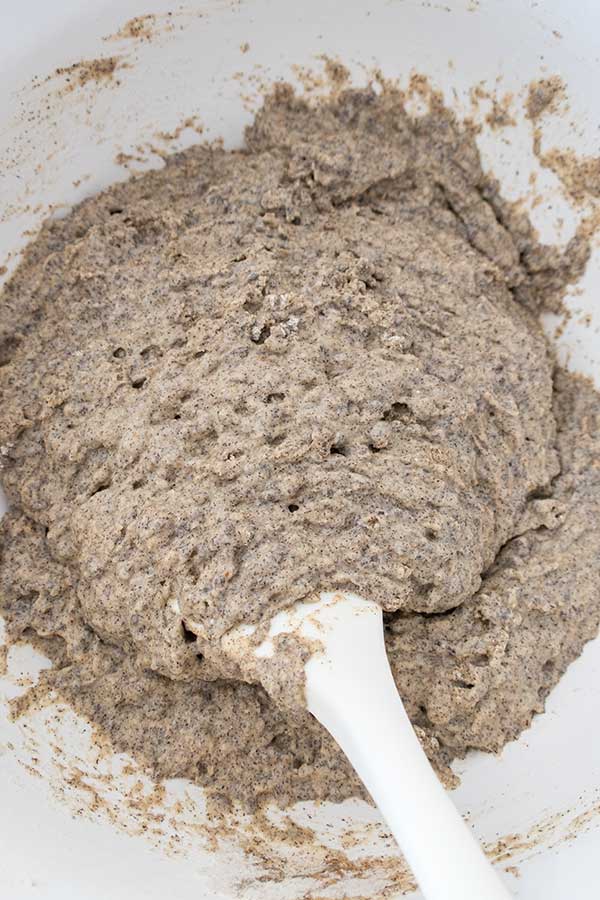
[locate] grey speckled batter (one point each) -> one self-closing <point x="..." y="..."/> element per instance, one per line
<point x="313" y="363"/>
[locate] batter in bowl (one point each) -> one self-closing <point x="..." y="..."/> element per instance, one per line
<point x="314" y="363"/>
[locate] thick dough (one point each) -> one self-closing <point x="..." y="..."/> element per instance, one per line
<point x="311" y="364"/>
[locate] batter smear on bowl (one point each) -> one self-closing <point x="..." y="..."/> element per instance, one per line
<point x="314" y="363"/>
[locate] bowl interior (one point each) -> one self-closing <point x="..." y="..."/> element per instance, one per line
<point x="63" y="140"/>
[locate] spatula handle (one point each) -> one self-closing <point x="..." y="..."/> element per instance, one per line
<point x="351" y="691"/>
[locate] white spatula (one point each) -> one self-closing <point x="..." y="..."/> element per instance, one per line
<point x="351" y="691"/>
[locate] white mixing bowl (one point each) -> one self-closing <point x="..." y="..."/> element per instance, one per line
<point x="59" y="136"/>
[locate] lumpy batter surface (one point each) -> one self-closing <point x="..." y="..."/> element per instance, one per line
<point x="311" y="364"/>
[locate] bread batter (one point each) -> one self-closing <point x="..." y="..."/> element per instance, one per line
<point x="314" y="363"/>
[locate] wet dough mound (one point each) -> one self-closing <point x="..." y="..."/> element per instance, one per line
<point x="252" y="375"/>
